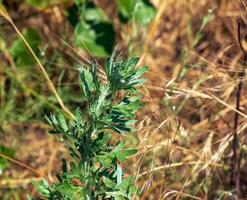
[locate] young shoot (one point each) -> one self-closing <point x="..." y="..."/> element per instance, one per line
<point x="96" y="172"/>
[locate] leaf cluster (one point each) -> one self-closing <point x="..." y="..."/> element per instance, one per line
<point x="95" y="32"/>
<point x="96" y="172"/>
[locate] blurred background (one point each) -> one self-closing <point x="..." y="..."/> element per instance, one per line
<point x="187" y="129"/>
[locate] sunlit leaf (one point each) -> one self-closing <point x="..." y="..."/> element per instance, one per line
<point x="141" y="11"/>
<point x="95" y="33"/>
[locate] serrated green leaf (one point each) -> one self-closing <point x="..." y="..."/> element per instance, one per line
<point x="125" y="183"/>
<point x="108" y="182"/>
<point x="140" y="71"/>
<point x="41" y="187"/>
<point x="123" y="154"/>
<point x="69" y="191"/>
<point x="63" y="123"/>
<point x="106" y="160"/>
<point x="86" y="83"/>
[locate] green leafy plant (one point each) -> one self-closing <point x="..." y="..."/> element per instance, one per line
<point x="141" y="11"/>
<point x="96" y="172"/>
<point x="94" y="31"/>
<point x="20" y="52"/>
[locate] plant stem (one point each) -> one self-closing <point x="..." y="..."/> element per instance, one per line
<point x="235" y="161"/>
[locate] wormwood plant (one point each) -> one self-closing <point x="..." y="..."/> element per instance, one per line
<point x="95" y="172"/>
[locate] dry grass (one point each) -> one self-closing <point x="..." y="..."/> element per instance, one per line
<point x="191" y="94"/>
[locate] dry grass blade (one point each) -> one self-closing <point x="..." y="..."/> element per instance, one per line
<point x="173" y="165"/>
<point x="20" y="164"/>
<point x="228" y="106"/>
<point x="51" y="86"/>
